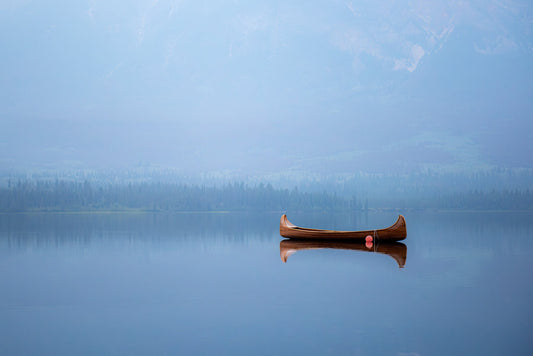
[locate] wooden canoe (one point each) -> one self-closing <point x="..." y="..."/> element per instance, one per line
<point x="395" y="232"/>
<point x="396" y="250"/>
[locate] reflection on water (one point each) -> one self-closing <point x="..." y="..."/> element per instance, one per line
<point x="31" y="232"/>
<point x="396" y="250"/>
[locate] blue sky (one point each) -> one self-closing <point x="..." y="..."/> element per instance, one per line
<point x="247" y="85"/>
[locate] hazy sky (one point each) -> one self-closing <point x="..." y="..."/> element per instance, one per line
<point x="266" y="85"/>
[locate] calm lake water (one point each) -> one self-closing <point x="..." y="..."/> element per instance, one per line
<point x="167" y="284"/>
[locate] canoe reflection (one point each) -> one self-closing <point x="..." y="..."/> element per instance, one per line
<point x="396" y="250"/>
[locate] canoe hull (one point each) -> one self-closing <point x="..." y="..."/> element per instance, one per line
<point x="395" y="232"/>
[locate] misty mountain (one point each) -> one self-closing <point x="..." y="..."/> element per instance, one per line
<point x="213" y="86"/>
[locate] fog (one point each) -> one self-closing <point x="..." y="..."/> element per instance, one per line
<point x="266" y="87"/>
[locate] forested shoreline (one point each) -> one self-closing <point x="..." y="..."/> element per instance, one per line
<point x="75" y="196"/>
<point x="62" y="195"/>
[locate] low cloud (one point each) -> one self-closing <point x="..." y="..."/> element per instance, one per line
<point x="411" y="62"/>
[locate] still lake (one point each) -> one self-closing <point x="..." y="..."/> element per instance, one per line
<point x="216" y="283"/>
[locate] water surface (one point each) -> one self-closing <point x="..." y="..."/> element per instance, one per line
<point x="218" y="284"/>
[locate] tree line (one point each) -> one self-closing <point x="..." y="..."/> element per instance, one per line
<point x="61" y="195"/>
<point x="76" y="196"/>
